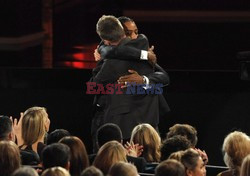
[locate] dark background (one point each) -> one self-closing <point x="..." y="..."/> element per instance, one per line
<point x="198" y="51"/>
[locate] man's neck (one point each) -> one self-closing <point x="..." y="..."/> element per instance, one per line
<point x="117" y="42"/>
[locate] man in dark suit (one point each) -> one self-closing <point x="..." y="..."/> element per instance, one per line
<point x="125" y="110"/>
<point x="129" y="52"/>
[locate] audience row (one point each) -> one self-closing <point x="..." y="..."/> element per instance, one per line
<point x="27" y="149"/>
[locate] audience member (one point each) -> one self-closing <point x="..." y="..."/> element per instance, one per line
<point x="173" y="144"/>
<point x="56" y="135"/>
<point x="123" y="169"/>
<point x="56" y="154"/>
<point x="79" y="158"/>
<point x="91" y="171"/>
<point x="55" y="171"/>
<point x="6" y="130"/>
<point x="109" y="132"/>
<point x="30" y="132"/>
<point x="185" y="130"/>
<point x="193" y="163"/>
<point x="9" y="158"/>
<point x="25" y="171"/>
<point x="109" y="154"/>
<point x="170" y="167"/>
<point x="190" y="133"/>
<point x="176" y="155"/>
<point x="147" y="136"/>
<point x="245" y="167"/>
<point x="236" y="147"/>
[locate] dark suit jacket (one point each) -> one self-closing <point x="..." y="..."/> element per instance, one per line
<point x="126" y="110"/>
<point x="130" y="51"/>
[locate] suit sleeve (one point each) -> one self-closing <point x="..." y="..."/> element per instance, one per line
<point x="105" y="75"/>
<point x="96" y="69"/>
<point x="159" y="76"/>
<point x="130" y="50"/>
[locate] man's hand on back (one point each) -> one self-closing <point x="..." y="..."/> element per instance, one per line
<point x="134" y="77"/>
<point x="151" y="56"/>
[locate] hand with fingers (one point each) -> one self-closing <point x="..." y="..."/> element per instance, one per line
<point x="97" y="54"/>
<point x="151" y="56"/>
<point x="134" y="150"/>
<point x="17" y="128"/>
<point x="134" y="77"/>
<point x="203" y="155"/>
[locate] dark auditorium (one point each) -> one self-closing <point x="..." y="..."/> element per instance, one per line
<point x="124" y="88"/>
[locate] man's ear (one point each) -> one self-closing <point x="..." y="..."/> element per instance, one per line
<point x="67" y="167"/>
<point x="189" y="172"/>
<point x="41" y="164"/>
<point x="11" y="136"/>
<point x="106" y="42"/>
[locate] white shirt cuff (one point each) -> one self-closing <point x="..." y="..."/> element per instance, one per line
<point x="144" y="55"/>
<point x="146" y="80"/>
<point x="147" y="86"/>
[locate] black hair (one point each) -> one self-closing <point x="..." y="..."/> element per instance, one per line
<point x="5" y="127"/>
<point x="56" y="135"/>
<point x="173" y="144"/>
<point x="56" y="154"/>
<point x="108" y="132"/>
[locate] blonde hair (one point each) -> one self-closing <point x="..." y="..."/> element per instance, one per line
<point x="236" y="147"/>
<point x="245" y="167"/>
<point x="25" y="171"/>
<point x="109" y="154"/>
<point x="176" y="155"/>
<point x="9" y="158"/>
<point x="55" y="171"/>
<point x="147" y="136"/>
<point x="33" y="124"/>
<point x="123" y="169"/>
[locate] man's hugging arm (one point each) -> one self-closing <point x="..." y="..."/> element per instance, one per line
<point x="136" y="49"/>
<point x="159" y="76"/>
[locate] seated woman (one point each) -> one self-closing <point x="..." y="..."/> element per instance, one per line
<point x="193" y="163"/>
<point x="25" y="171"/>
<point x="245" y="167"/>
<point x="30" y="132"/>
<point x="79" y="158"/>
<point x="124" y="169"/>
<point x="9" y="158"/>
<point x="91" y="171"/>
<point x="236" y="147"/>
<point x="110" y="153"/>
<point x="55" y="171"/>
<point x="170" y="167"/>
<point x="176" y="155"/>
<point x="147" y="136"/>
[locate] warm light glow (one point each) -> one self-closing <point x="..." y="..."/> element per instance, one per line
<point x="79" y="65"/>
<point x="83" y="58"/>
